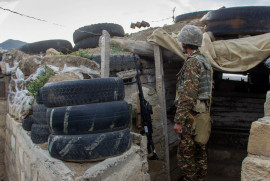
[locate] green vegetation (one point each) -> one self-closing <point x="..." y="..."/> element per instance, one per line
<point x="39" y="82"/>
<point x="81" y="53"/>
<point x="116" y="48"/>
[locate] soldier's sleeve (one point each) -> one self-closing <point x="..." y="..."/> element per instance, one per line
<point x="188" y="94"/>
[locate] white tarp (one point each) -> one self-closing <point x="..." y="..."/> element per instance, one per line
<point x="235" y="55"/>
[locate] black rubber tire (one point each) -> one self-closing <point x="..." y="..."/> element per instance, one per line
<point x="78" y="92"/>
<point x="27" y="123"/>
<point x="89" y="147"/>
<point x="40" y="133"/>
<point x="91" y="42"/>
<point x="89" y="118"/>
<point x="190" y="16"/>
<point x="63" y="46"/>
<point x="96" y="30"/>
<point x="118" y="62"/>
<point x="39" y="113"/>
<point x="39" y="98"/>
<point x="249" y="20"/>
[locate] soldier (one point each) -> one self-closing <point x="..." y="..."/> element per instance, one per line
<point x="193" y="93"/>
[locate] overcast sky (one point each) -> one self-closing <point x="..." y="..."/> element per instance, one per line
<point x="70" y="15"/>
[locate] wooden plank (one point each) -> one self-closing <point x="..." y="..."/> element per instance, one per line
<point x="172" y="137"/>
<point x="2" y="89"/>
<point x="160" y="87"/>
<point x="237" y="100"/>
<point x="239" y="94"/>
<point x="237" y="109"/>
<point x="105" y="54"/>
<point x="143" y="48"/>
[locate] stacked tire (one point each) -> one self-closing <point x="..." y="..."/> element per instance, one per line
<point x="231" y="22"/>
<point x="27" y="122"/>
<point x="88" y="36"/>
<point x="40" y="130"/>
<point x="60" y="45"/>
<point x="190" y="16"/>
<point x="118" y="62"/>
<point x="88" y="119"/>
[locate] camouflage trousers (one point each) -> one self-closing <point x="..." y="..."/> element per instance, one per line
<point x="192" y="158"/>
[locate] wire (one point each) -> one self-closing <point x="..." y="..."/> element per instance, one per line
<point x="173" y="10"/>
<point x="162" y="19"/>
<point x="95" y="34"/>
<point x="45" y="20"/>
<point x="29" y="16"/>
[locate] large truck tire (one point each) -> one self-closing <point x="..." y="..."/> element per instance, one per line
<point x="190" y="16"/>
<point x="27" y="123"/>
<point x="77" y="92"/>
<point x="39" y="113"/>
<point x="251" y="20"/>
<point x="89" y="147"/>
<point x="63" y="46"/>
<point x="40" y="133"/>
<point x="96" y="30"/>
<point x="118" y="62"/>
<point x="89" y="118"/>
<point x="91" y="42"/>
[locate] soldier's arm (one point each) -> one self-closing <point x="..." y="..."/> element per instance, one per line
<point x="188" y="94"/>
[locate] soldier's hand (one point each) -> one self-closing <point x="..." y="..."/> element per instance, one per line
<point x="178" y="128"/>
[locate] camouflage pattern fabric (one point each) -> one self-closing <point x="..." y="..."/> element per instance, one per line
<point x="192" y="158"/>
<point x="191" y="35"/>
<point x="187" y="89"/>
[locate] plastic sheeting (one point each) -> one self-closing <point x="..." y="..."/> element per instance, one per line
<point x="235" y="55"/>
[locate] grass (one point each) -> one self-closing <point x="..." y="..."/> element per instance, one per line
<point x="39" y="82"/>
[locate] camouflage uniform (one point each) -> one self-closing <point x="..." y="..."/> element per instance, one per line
<point x="192" y="158"/>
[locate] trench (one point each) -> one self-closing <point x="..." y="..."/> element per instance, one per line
<point x="235" y="105"/>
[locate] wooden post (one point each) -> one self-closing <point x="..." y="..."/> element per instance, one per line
<point x="160" y="86"/>
<point x="105" y="54"/>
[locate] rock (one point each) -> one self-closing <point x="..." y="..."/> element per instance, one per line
<point x="63" y="77"/>
<point x="52" y="51"/>
<point x="255" y="168"/>
<point x="10" y="61"/>
<point x="128" y="74"/>
<point x="259" y="137"/>
<point x="70" y="61"/>
<point x="25" y="68"/>
<point x="30" y="65"/>
<point x="76" y="64"/>
<point x="267" y="105"/>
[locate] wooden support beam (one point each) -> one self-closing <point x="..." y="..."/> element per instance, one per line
<point x="143" y="48"/>
<point x="105" y="54"/>
<point x="160" y="87"/>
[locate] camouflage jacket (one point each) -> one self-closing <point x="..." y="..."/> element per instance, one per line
<point x="187" y="88"/>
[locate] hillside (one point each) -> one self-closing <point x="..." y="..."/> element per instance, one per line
<point x="10" y="44"/>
